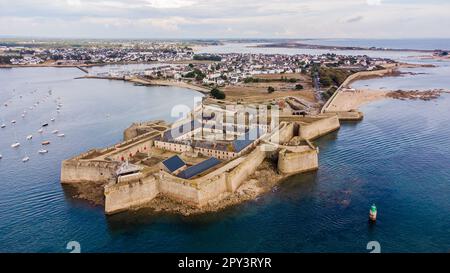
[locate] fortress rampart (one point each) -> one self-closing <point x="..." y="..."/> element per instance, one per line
<point x="135" y="189"/>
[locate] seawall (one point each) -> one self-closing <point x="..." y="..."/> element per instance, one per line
<point x="320" y="127"/>
<point x="87" y="171"/>
<point x="352" y="78"/>
<point x="293" y="162"/>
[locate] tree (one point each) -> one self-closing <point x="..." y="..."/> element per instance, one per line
<point x="217" y="94"/>
<point x="270" y="89"/>
<point x="214" y="58"/>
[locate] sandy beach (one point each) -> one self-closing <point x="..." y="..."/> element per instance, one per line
<point x="351" y="99"/>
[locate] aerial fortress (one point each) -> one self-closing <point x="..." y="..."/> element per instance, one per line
<point x="201" y="159"/>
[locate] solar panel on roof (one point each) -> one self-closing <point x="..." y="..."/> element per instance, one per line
<point x="199" y="168"/>
<point x="173" y="163"/>
<point x="240" y="145"/>
<point x="247" y="139"/>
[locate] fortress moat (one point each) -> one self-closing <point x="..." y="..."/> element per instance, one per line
<point x="213" y="158"/>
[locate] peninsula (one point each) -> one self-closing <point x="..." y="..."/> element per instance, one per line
<point x="255" y="127"/>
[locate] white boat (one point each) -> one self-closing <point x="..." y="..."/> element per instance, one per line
<point x="1" y="156"/>
<point x="3" y="125"/>
<point x="23" y="115"/>
<point x="42" y="151"/>
<point x="40" y="131"/>
<point x="15" y="145"/>
<point x="61" y="135"/>
<point x="26" y="159"/>
<point x="55" y="131"/>
<point x="52" y="119"/>
<point x="29" y="137"/>
<point x="13" y="121"/>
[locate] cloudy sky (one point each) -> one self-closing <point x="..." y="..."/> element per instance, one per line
<point x="226" y="18"/>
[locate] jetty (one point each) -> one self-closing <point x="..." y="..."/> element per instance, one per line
<point x="83" y="69"/>
<point x="146" y="82"/>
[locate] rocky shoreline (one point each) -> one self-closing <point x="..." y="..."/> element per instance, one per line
<point x="262" y="181"/>
<point x="416" y="94"/>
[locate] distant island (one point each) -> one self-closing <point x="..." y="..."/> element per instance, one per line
<point x="334" y="47"/>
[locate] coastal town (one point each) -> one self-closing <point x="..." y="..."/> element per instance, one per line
<point x="91" y="54"/>
<point x="254" y="126"/>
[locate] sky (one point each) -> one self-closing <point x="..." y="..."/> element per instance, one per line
<point x="185" y="19"/>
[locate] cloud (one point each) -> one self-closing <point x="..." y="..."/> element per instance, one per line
<point x="231" y="18"/>
<point x="354" y="19"/>
<point x="174" y="4"/>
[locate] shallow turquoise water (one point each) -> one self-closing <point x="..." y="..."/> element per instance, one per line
<point x="398" y="158"/>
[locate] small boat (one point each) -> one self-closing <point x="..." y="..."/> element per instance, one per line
<point x="15" y="145"/>
<point x="373" y="213"/>
<point x="30" y="137"/>
<point x="45" y="125"/>
<point x="53" y="119"/>
<point x="3" y="125"/>
<point x="61" y="135"/>
<point x="40" y="131"/>
<point x="42" y="151"/>
<point x="55" y="132"/>
<point x="23" y="115"/>
<point x="45" y="142"/>
<point x="26" y="159"/>
<point x="1" y="156"/>
<point x="13" y="121"/>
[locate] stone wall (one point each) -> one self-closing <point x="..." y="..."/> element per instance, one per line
<point x="355" y="77"/>
<point x="319" y="127"/>
<point x="178" y="189"/>
<point x="125" y="195"/>
<point x="350" y="116"/>
<point x="245" y="169"/>
<point x="297" y="162"/>
<point x="212" y="188"/>
<point x="284" y="133"/>
<point x="87" y="171"/>
<point x="126" y="153"/>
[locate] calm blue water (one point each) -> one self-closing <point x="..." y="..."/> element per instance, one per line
<point x="398" y="157"/>
<point x="414" y="78"/>
<point x="250" y="48"/>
